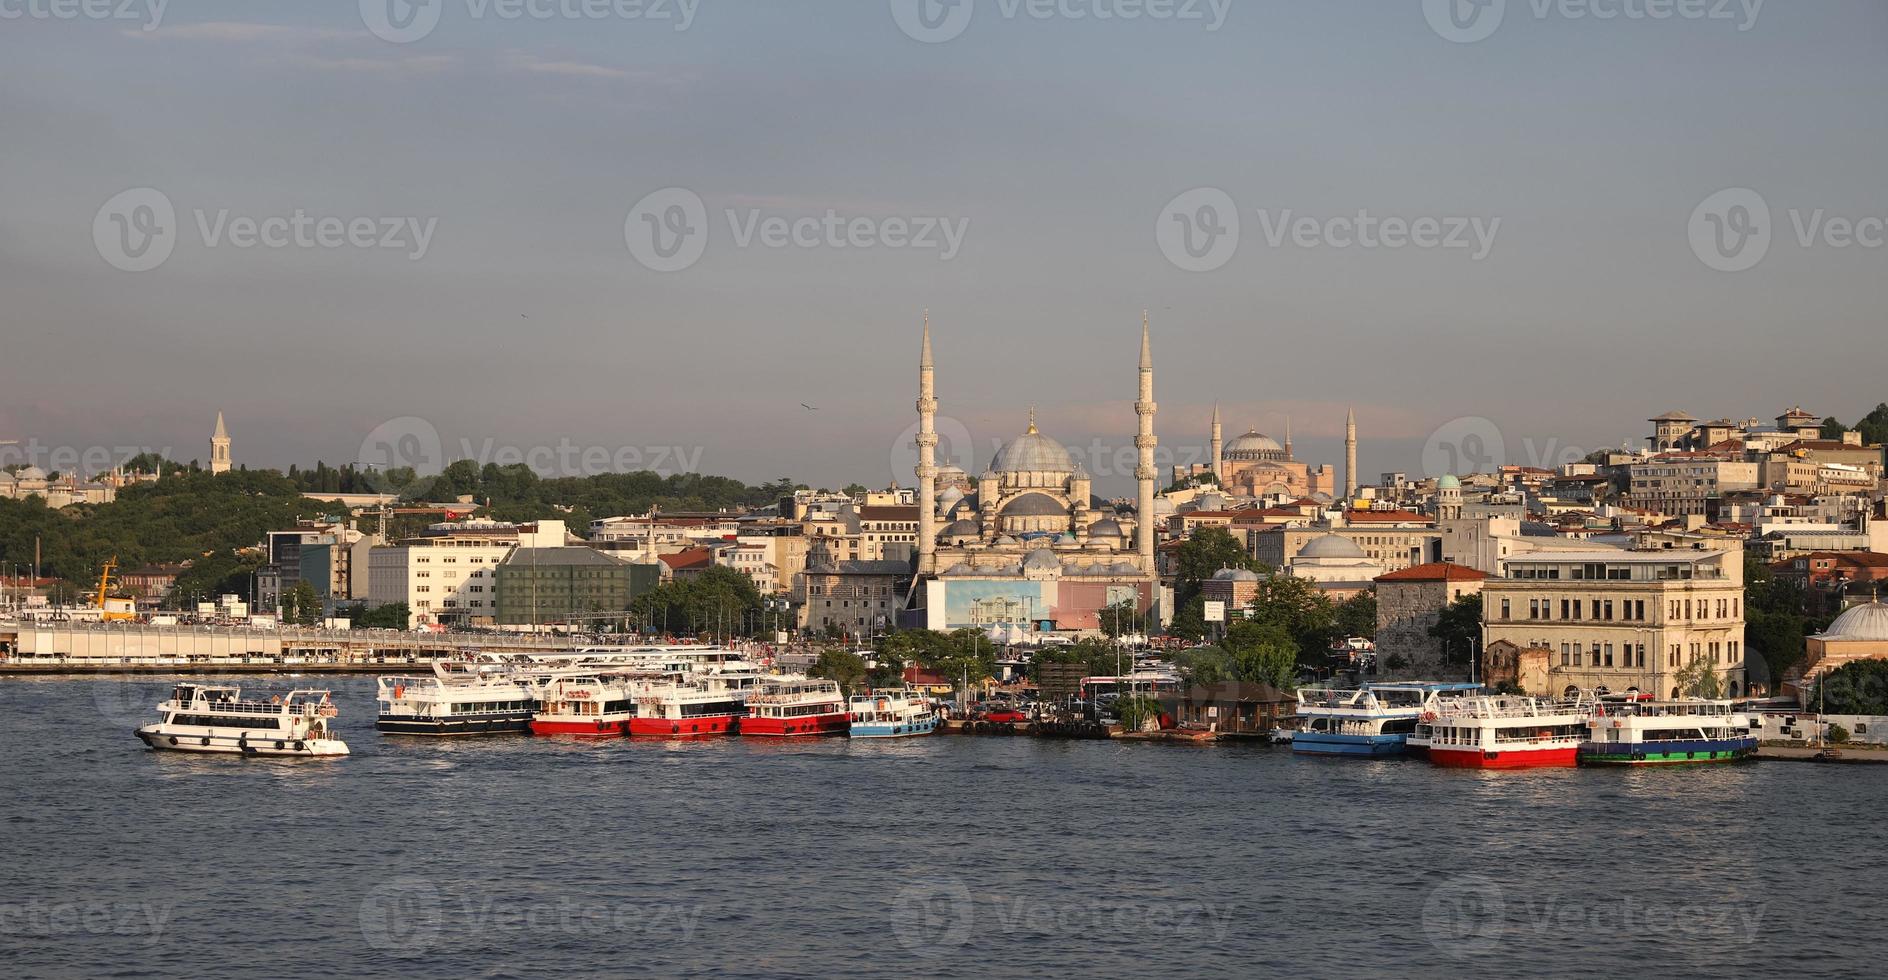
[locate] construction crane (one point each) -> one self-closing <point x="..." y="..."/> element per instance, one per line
<point x="113" y="610"/>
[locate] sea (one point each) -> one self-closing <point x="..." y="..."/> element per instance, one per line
<point x="944" y="856"/>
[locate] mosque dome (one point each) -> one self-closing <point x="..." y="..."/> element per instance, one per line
<point x="959" y="569"/>
<point x="1066" y="538"/>
<point x="1236" y="575"/>
<point x="961" y="529"/>
<point x="1253" y="445"/>
<point x="1332" y="546"/>
<point x="1107" y="527"/>
<point x="1033" y="452"/>
<point x="1034" y="505"/>
<point x="1041" y="559"/>
<point x="32" y="473"/>
<point x="1868" y="622"/>
<point x="1449" y="481"/>
<point x="1006" y="542"/>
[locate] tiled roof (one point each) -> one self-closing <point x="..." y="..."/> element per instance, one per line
<point x="1440" y="571"/>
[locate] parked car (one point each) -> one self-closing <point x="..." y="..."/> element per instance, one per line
<point x="1004" y="714"/>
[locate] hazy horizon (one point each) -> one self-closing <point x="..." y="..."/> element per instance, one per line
<point x="1580" y="158"/>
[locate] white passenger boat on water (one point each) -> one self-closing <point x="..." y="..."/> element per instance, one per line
<point x="891" y="714"/>
<point x="461" y="698"/>
<point x="212" y="718"/>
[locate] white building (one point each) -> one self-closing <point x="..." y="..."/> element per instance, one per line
<point x="448" y="576"/>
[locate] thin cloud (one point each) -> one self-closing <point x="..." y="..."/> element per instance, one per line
<point x="239" y="32"/>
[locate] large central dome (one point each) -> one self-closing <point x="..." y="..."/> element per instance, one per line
<point x="1032" y="452"/>
<point x="1254" y="445"/>
<point x="1869" y="622"/>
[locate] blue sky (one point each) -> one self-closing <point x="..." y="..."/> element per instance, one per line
<point x="1055" y="143"/>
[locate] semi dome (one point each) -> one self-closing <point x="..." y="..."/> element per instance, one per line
<point x="1868" y="622"/>
<point x="1034" y="505"/>
<point x="1254" y="445"/>
<point x="1332" y="546"/>
<point x="1041" y="559"/>
<point x="1032" y="452"/>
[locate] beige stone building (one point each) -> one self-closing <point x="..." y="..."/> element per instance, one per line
<point x="1623" y="620"/>
<point x="1689" y="483"/>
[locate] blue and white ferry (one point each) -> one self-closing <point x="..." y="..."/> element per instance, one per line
<point x="1370" y="721"/>
<point x="891" y="714"/>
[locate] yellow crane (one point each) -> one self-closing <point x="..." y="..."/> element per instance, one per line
<point x="113" y="610"/>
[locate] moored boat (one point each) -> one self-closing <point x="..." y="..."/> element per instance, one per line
<point x="796" y="706"/>
<point x="1501" y="732"/>
<point x="1637" y="732"/>
<point x="1373" y="720"/>
<point x="216" y="718"/>
<point x="891" y="714"/>
<point x="585" y="706"/>
<point x="687" y="709"/>
<point x="461" y="698"/>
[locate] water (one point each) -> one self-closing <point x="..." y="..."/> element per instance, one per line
<point x="947" y="856"/>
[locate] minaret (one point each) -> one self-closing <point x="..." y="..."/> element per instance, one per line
<point x="219" y="447"/>
<point x="927" y="456"/>
<point x="1350" y="456"/>
<point x="1144" y="407"/>
<point x="1218" y="449"/>
<point x="1288" y="456"/>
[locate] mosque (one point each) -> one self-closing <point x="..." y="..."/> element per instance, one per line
<point x="1027" y="545"/>
<point x="1256" y="466"/>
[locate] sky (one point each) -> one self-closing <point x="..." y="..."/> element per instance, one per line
<point x="587" y="234"/>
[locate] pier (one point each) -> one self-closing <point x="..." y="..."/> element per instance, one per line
<point x="84" y="648"/>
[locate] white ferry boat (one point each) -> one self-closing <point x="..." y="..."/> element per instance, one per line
<point x="213" y="718"/>
<point x="461" y="698"/>
<point x="796" y="706"/>
<point x="892" y="714"/>
<point x="1502" y="732"/>
<point x="1370" y="721"/>
<point x="1628" y="731"/>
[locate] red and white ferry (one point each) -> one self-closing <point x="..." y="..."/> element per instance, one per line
<point x="796" y="706"/>
<point x="1501" y="732"/>
<point x="586" y="706"/>
<point x="687" y="709"/>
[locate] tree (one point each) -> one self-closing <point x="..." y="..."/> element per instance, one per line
<point x="1297" y="607"/>
<point x="1874" y="427"/>
<point x="1459" y="627"/>
<point x="301" y="605"/>
<point x="843" y="667"/>
<point x="1857" y="688"/>
<point x="1832" y="429"/>
<point x="1099" y="658"/>
<point x="1205" y="666"/>
<point x="1189" y="621"/>
<point x="854" y="490"/>
<point x="1263" y="653"/>
<point x="1205" y="553"/>
<point x="1121" y="619"/>
<point x="392" y="616"/>
<point x="1357" y="616"/>
<point x="1699" y="679"/>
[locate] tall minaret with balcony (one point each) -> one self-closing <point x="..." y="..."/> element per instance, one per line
<point x="927" y="456"/>
<point x="219" y="447"/>
<point x="1145" y="441"/>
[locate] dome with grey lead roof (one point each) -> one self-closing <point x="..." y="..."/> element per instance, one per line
<point x="1332" y="546"/>
<point x="1041" y="559"/>
<point x="1034" y="505"/>
<point x="32" y="473"/>
<point x="1033" y="452"/>
<point x="958" y="569"/>
<point x="1869" y="622"/>
<point x="1107" y="527"/>
<point x="1253" y="445"/>
<point x="961" y="529"/>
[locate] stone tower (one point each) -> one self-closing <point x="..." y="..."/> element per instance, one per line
<point x="1217" y="447"/>
<point x="219" y="447"/>
<point x="1350" y="456"/>
<point x="927" y="456"/>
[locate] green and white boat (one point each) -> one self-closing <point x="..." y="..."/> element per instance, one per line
<point x="1628" y="731"/>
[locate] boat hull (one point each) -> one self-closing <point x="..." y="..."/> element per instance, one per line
<point x="1667" y="753"/>
<point x="222" y="744"/>
<point x="877" y="729"/>
<point x="1355" y="746"/>
<point x="585" y="728"/>
<point x="1556" y="757"/>
<point x="699" y="727"/>
<point x="510" y="724"/>
<point x="810" y="725"/>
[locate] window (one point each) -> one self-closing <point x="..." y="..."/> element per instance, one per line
<point x="1505" y="614"/>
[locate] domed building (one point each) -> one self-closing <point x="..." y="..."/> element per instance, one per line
<point x="1258" y="466"/>
<point x="1336" y="565"/>
<point x="1859" y="634"/>
<point x="1028" y="543"/>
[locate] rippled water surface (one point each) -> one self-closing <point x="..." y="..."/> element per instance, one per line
<point x="948" y="856"/>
